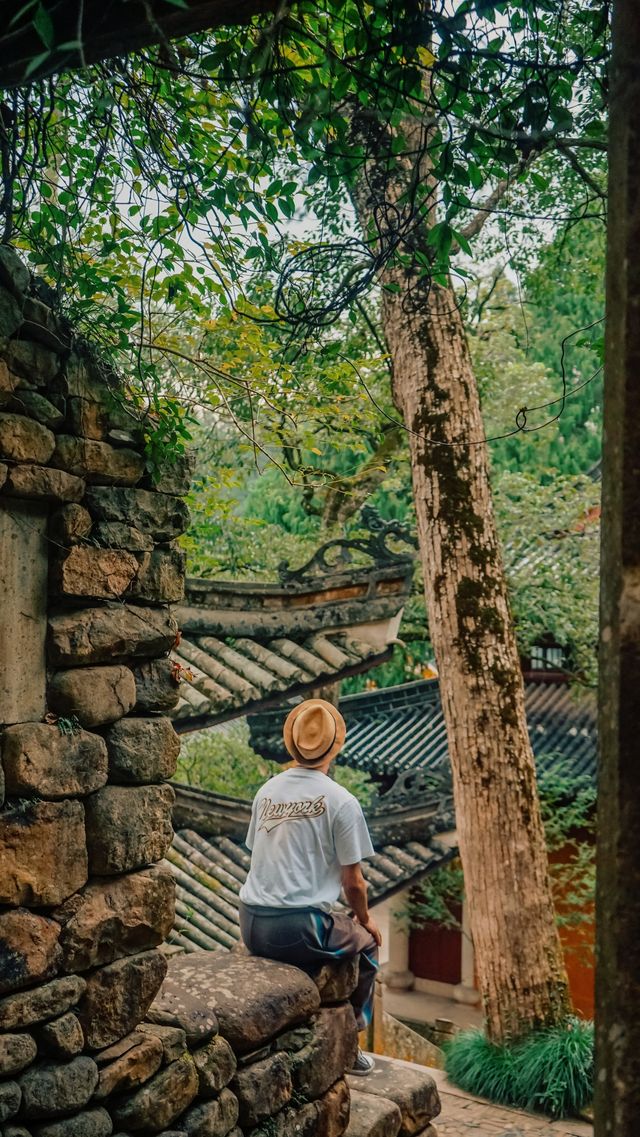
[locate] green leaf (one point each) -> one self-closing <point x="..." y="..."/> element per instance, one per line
<point x="43" y="24"/>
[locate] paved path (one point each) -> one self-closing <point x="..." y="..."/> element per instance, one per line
<point x="466" y="1116"/>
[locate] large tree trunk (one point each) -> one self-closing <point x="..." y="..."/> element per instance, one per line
<point x="617" y="1111"/>
<point x="502" y="844"/>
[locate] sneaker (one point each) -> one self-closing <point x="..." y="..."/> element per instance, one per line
<point x="363" y="1065"/>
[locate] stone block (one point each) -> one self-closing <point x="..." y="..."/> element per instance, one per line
<point x="156" y="686"/>
<point x="8" y="384"/>
<point x="330" y="1114"/>
<point x="253" y="999"/>
<point x="412" y="1089"/>
<point x="174" y="1007"/>
<point x="110" y="634"/>
<point x="117" y="535"/>
<point x="41" y="325"/>
<point x="88" y="573"/>
<point x="38" y="759"/>
<point x="10" y="1097"/>
<point x="161" y="1100"/>
<point x="51" y="1089"/>
<point x="62" y="1037"/>
<point x="115" y="917"/>
<point x="32" y="361"/>
<point x="128" y="827"/>
<point x="216" y="1064"/>
<point x="88" y="418"/>
<point x="337" y="981"/>
<point x="97" y="408"/>
<point x="23" y="440"/>
<point x="41" y="1003"/>
<point x="262" y="1089"/>
<point x="174" y="476"/>
<point x="173" y="1039"/>
<point x="130" y="1070"/>
<point x="43" y="482"/>
<point x="373" y="1116"/>
<point x="80" y="376"/>
<point x="142" y="750"/>
<point x="212" y="1118"/>
<point x="294" y="1040"/>
<point x="90" y="1123"/>
<point x="10" y="314"/>
<point x="98" y="462"/>
<point x="43" y="856"/>
<point x="23" y="577"/>
<point x="70" y="524"/>
<point x="36" y="406"/>
<point x="29" y="949"/>
<point x="17" y="1051"/>
<point x="333" y="1050"/>
<point x="161" y="515"/>
<point x="161" y="576"/>
<point x="97" y="695"/>
<point x="118" y="1049"/>
<point x="118" y="996"/>
<point x="14" y="274"/>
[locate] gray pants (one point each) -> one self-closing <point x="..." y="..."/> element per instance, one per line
<point x="307" y="938"/>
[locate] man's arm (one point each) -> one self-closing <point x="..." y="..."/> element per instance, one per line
<point x="355" y="890"/>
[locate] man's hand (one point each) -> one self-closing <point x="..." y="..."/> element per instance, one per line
<point x="374" y="930"/>
<point x="355" y="890"/>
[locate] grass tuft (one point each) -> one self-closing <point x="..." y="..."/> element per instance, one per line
<point x="550" y="1071"/>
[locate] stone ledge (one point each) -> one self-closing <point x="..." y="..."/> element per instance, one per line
<point x="412" y="1089"/>
<point x="253" y="999"/>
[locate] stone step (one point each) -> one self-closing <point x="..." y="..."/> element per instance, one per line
<point x="396" y="1100"/>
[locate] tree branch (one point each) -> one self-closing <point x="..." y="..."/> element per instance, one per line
<point x="485" y="210"/>
<point x="536" y="139"/>
<point x="109" y="28"/>
<point x="576" y="165"/>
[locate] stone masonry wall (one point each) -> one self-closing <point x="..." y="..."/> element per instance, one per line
<point x="93" y="1039"/>
<point x="89" y="565"/>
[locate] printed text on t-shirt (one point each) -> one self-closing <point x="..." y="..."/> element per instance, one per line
<point x="273" y="813"/>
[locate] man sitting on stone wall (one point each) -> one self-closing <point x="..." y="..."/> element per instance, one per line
<point x="307" y="837"/>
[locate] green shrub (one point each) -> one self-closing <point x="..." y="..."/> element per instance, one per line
<point x="550" y="1071"/>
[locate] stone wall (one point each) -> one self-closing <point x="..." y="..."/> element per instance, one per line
<point x="95" y="1037"/>
<point x="88" y="566"/>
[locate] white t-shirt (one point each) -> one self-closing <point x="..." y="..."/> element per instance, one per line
<point x="303" y="828"/>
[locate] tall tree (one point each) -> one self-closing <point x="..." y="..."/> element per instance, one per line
<point x="501" y="837"/>
<point x="618" y="864"/>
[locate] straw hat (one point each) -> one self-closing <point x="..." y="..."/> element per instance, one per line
<point x="313" y="732"/>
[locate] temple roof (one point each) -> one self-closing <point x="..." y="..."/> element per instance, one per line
<point x="398" y="735"/>
<point x="253" y="645"/>
<point x="210" y="871"/>
<point x="400" y="731"/>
